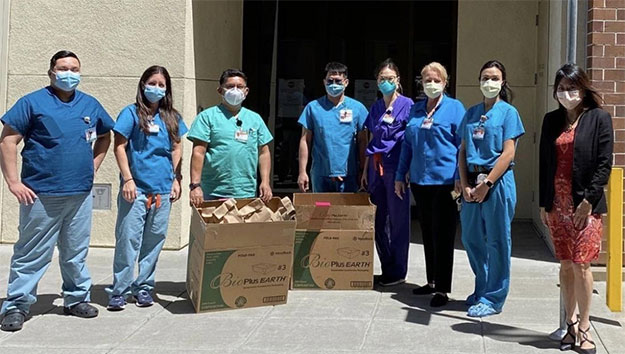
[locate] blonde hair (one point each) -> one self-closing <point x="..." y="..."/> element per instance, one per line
<point x="435" y="66"/>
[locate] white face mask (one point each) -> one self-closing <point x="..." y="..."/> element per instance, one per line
<point x="569" y="99"/>
<point x="433" y="89"/>
<point x="234" y="96"/>
<point x="490" y="88"/>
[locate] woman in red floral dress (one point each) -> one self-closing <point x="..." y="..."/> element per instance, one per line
<point x="575" y="163"/>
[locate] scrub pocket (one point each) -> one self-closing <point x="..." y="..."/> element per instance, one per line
<point x="52" y="128"/>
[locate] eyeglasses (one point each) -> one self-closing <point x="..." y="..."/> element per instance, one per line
<point x="239" y="122"/>
<point x="334" y="81"/>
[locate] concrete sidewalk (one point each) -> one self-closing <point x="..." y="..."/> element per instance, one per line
<point x="389" y="320"/>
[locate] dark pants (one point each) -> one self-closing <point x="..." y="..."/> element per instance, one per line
<point x="437" y="213"/>
<point x="392" y="225"/>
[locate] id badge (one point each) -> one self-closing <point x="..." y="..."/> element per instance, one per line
<point x="91" y="135"/>
<point x="154" y="128"/>
<point x="388" y="119"/>
<point x="241" y="136"/>
<point x="346" y="115"/>
<point x="478" y="133"/>
<point x="427" y="123"/>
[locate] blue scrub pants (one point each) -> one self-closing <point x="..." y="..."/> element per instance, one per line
<point x="64" y="221"/>
<point x="324" y="184"/>
<point x="486" y="238"/>
<point x="139" y="237"/>
<point x="392" y="225"/>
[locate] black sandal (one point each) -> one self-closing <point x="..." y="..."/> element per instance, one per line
<point x="13" y="320"/>
<point x="570" y="332"/>
<point x="583" y="339"/>
<point x="82" y="309"/>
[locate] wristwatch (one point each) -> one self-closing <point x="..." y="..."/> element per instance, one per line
<point x="488" y="183"/>
<point x="192" y="186"/>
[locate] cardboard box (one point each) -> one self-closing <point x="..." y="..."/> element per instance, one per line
<point x="334" y="241"/>
<point x="238" y="265"/>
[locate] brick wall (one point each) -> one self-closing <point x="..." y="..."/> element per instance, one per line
<point x="605" y="60"/>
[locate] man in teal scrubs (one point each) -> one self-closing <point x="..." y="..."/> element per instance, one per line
<point x="333" y="127"/>
<point x="229" y="145"/>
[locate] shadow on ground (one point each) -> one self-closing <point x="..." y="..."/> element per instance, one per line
<point x="526" y="242"/>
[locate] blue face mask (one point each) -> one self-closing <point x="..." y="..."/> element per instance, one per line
<point x="335" y="90"/>
<point x="66" y="80"/>
<point x="154" y="93"/>
<point x="387" y="88"/>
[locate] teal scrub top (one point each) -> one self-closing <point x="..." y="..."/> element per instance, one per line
<point x="334" y="148"/>
<point x="502" y="123"/>
<point x="231" y="162"/>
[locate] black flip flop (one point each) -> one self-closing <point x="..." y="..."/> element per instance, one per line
<point x="13" y="320"/>
<point x="82" y="309"/>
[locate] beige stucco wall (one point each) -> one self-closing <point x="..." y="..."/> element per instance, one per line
<point x="506" y="31"/>
<point x="116" y="41"/>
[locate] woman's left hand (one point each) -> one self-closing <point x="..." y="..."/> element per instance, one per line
<point x="480" y="192"/>
<point x="175" y="191"/>
<point x="580" y="219"/>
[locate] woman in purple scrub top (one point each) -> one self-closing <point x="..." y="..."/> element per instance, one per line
<point x="387" y="122"/>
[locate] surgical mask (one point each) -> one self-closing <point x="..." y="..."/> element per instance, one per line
<point x="387" y="87"/>
<point x="66" y="80"/>
<point x="569" y="99"/>
<point x="154" y="93"/>
<point x="234" y="96"/>
<point x="490" y="88"/>
<point x="335" y="90"/>
<point x="433" y="89"/>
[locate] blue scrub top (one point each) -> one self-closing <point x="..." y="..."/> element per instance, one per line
<point x="502" y="123"/>
<point x="431" y="154"/>
<point x="334" y="148"/>
<point x="57" y="158"/>
<point x="388" y="138"/>
<point x="149" y="156"/>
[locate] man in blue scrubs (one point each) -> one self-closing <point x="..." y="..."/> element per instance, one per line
<point x="333" y="127"/>
<point x="66" y="134"/>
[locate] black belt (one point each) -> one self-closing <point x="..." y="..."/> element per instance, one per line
<point x="478" y="169"/>
<point x="482" y="169"/>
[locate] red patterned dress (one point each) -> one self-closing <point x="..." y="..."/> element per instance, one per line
<point x="579" y="246"/>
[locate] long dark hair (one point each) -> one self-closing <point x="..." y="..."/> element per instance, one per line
<point x="389" y="63"/>
<point x="168" y="113"/>
<point x="577" y="76"/>
<point x="505" y="93"/>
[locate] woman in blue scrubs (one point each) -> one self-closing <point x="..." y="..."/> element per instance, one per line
<point x="489" y="133"/>
<point x="387" y="122"/>
<point x="429" y="157"/>
<point x="148" y="152"/>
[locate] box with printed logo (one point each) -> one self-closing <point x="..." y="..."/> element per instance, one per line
<point x="334" y="241"/>
<point x="238" y="265"/>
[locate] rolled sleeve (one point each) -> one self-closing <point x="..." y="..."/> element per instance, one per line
<point x="306" y="118"/>
<point x="18" y="117"/>
<point x="264" y="135"/>
<point x="105" y="122"/>
<point x="362" y="117"/>
<point x="200" y="129"/>
<point x="125" y="123"/>
<point x="513" y="127"/>
<point x="182" y="127"/>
